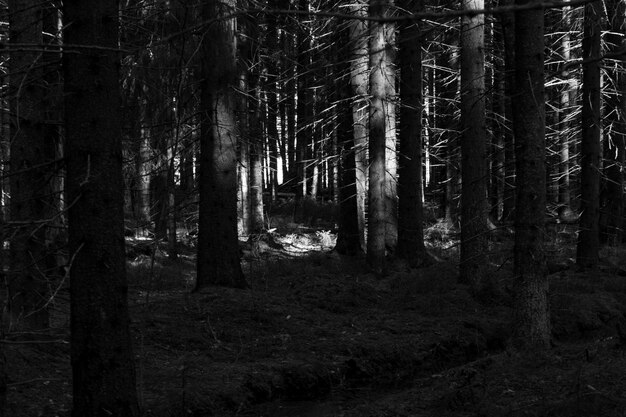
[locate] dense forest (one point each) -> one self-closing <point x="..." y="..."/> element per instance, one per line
<point x="312" y="208"/>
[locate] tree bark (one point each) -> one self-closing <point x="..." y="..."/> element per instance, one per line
<point x="508" y="33"/>
<point x="410" y="209"/>
<point x="103" y="369"/>
<point x="474" y="207"/>
<point x="615" y="132"/>
<point x="531" y="316"/>
<point x="359" y="80"/>
<point x="32" y="156"/>
<point x="589" y="233"/>
<point x="218" y="245"/>
<point x="381" y="40"/>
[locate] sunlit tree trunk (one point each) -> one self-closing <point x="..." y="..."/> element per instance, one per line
<point x="32" y="156"/>
<point x="381" y="40"/>
<point x="257" y="220"/>
<point x="589" y="234"/>
<point x="531" y="325"/>
<point x="359" y="63"/>
<point x="103" y="371"/>
<point x="474" y="208"/>
<point x="568" y="99"/>
<point x="410" y="216"/>
<point x="615" y="131"/>
<point x="218" y="248"/>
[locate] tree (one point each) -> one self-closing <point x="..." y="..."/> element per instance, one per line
<point x="589" y="234"/>
<point x="410" y="216"/>
<point x="531" y="316"/>
<point x="474" y="206"/>
<point x="32" y="158"/>
<point x="102" y="360"/>
<point x="359" y="79"/>
<point x="381" y="41"/>
<point x="218" y="260"/>
<point x="612" y="195"/>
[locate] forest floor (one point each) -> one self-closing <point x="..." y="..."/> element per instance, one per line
<point x="318" y="335"/>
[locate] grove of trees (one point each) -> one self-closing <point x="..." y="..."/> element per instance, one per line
<point x="150" y="117"/>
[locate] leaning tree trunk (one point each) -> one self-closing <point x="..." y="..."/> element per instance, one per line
<point x="531" y="316"/>
<point x="103" y="370"/>
<point x="218" y="245"/>
<point x="474" y="207"/>
<point x="589" y="233"/>
<point x="410" y="210"/>
<point x="31" y="157"/>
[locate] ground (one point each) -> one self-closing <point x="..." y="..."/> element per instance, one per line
<point x="317" y="334"/>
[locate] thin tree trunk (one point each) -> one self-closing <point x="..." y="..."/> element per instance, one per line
<point x="103" y="370"/>
<point x="508" y="34"/>
<point x="410" y="210"/>
<point x="217" y="230"/>
<point x="474" y="208"/>
<point x="589" y="234"/>
<point x="531" y="316"/>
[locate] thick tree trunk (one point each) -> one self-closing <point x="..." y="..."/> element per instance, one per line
<point x="257" y="219"/>
<point x="359" y="80"/>
<point x="31" y="157"/>
<point x="531" y="316"/>
<point x="218" y="246"/>
<point x="568" y="99"/>
<point x="144" y="166"/>
<point x="589" y="234"/>
<point x="474" y="207"/>
<point x="103" y="370"/>
<point x="410" y="216"/>
<point x="381" y="40"/>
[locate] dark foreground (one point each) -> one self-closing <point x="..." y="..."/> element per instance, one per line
<point x="318" y="335"/>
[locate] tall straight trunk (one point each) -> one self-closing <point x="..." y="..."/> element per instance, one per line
<point x="531" y="325"/>
<point x="271" y="84"/>
<point x="348" y="236"/>
<point x="508" y="33"/>
<point x="391" y="157"/>
<point x="243" y="167"/>
<point x="257" y="221"/>
<point x="589" y="234"/>
<point x="615" y="134"/>
<point x="359" y="79"/>
<point x="144" y="165"/>
<point x="218" y="246"/>
<point x="474" y="207"/>
<point x="410" y="209"/>
<point x="381" y="40"/>
<point x="103" y="370"/>
<point x="305" y="102"/>
<point x="32" y="154"/>
<point x="568" y="99"/>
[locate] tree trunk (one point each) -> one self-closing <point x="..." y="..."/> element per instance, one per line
<point x="218" y="246"/>
<point x="103" y="370"/>
<point x="144" y="169"/>
<point x="348" y="236"/>
<point x="568" y="99"/>
<point x="508" y="34"/>
<point x="257" y="219"/>
<point x="474" y="208"/>
<point x="589" y="234"/>
<point x="359" y="80"/>
<point x="381" y="40"/>
<point x="615" y="134"/>
<point x="31" y="157"/>
<point x="531" y="316"/>
<point x="410" y="210"/>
